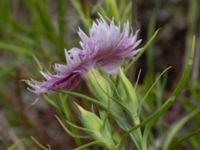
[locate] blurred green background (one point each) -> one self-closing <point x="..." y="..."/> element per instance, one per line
<point x="34" y="33"/>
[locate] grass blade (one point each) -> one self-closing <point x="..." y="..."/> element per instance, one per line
<point x="92" y="100"/>
<point x="16" y="49"/>
<point x="87" y="145"/>
<point x="142" y="51"/>
<point x="175" y="129"/>
<point x="155" y="116"/>
<point x="188" y="136"/>
<point x="68" y="131"/>
<point x="40" y="145"/>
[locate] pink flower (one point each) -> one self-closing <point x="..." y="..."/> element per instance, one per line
<point x="105" y="47"/>
<point x="66" y="77"/>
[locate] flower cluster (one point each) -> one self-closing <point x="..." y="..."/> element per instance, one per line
<point x="105" y="47"/>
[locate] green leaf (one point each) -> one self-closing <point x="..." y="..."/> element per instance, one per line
<point x="127" y="91"/>
<point x="51" y="102"/>
<point x="125" y="11"/>
<point x="88" y="145"/>
<point x="186" y="137"/>
<point x="87" y="98"/>
<point x="16" y="49"/>
<point x="85" y="19"/>
<point x="62" y="7"/>
<point x="175" y="129"/>
<point x="181" y="84"/>
<point x="112" y="9"/>
<point x="149" y="42"/>
<point x="15" y="145"/>
<point x="68" y="131"/>
<point x="40" y="17"/>
<point x="152" y="86"/>
<point x="40" y="145"/>
<point x="75" y="126"/>
<point x="151" y="28"/>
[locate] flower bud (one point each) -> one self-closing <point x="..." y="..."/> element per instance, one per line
<point x="98" y="130"/>
<point x="98" y="85"/>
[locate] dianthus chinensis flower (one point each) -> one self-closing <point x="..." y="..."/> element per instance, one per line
<point x="66" y="76"/>
<point x="105" y="47"/>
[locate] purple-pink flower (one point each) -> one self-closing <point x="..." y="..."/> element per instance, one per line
<point x="105" y="47"/>
<point x="66" y="77"/>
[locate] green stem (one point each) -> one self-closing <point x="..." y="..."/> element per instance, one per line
<point x="66" y="111"/>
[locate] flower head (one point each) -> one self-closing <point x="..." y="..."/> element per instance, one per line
<point x="105" y="47"/>
<point x="66" y="77"/>
<point x="108" y="45"/>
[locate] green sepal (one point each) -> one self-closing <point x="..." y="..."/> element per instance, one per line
<point x="96" y="128"/>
